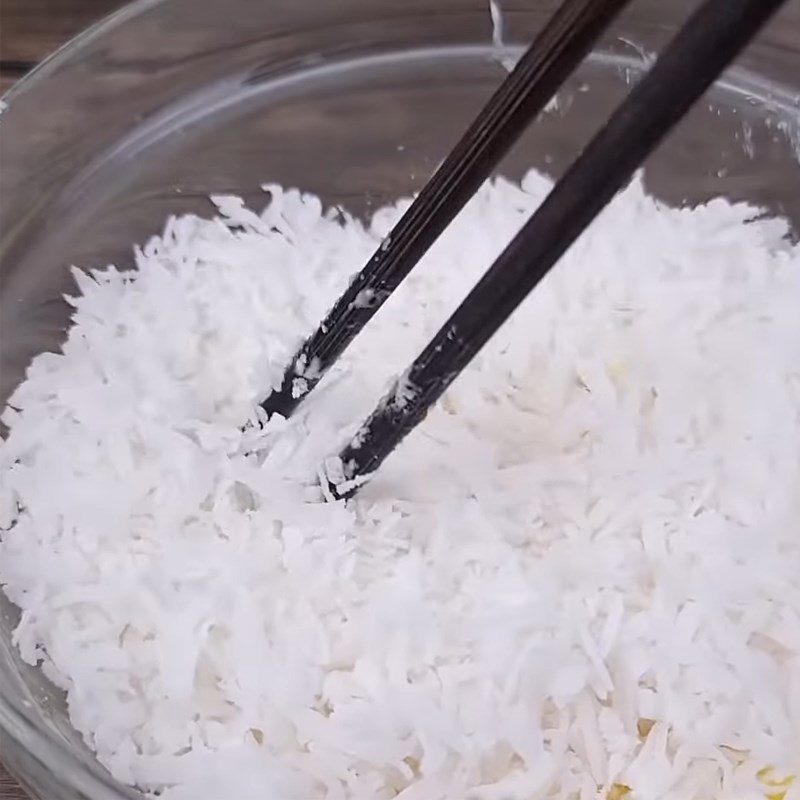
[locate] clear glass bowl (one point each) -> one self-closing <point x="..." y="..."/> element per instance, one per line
<point x="357" y="100"/>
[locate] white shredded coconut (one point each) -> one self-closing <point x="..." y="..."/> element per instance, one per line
<point x="578" y="578"/>
<point x="496" y="14"/>
<point x="404" y="391"/>
<point x="365" y="298"/>
<point x="299" y="387"/>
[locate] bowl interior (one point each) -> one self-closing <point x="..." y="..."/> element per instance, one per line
<point x="355" y="102"/>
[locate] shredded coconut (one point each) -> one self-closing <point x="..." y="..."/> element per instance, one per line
<point x="496" y="15"/>
<point x="365" y="298"/>
<point x="578" y="578"/>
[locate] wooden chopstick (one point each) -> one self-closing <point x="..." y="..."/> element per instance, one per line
<point x="558" y="49"/>
<point x="697" y="55"/>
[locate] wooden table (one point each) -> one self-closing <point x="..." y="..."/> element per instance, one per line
<point x="8" y="788"/>
<point x="29" y="30"/>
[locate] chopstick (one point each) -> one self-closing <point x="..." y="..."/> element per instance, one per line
<point x="557" y="50"/>
<point x="697" y="55"/>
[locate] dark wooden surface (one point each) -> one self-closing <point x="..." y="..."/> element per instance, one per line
<point x="8" y="788"/>
<point x="30" y="30"/>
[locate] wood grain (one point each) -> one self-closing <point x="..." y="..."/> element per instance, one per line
<point x="29" y="31"/>
<point x="9" y="790"/>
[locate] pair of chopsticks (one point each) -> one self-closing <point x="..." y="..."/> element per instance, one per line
<point x="714" y="35"/>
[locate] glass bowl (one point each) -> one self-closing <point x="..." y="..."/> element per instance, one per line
<point x="166" y="101"/>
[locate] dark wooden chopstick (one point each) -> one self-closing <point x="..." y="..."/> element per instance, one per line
<point x="558" y="49"/>
<point x="697" y="55"/>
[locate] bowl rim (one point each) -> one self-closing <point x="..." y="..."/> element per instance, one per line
<point x="52" y="61"/>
